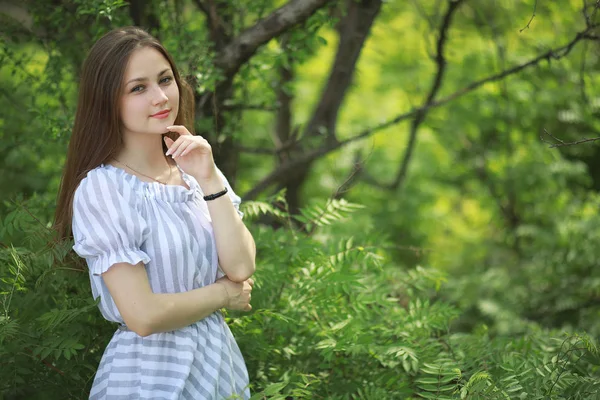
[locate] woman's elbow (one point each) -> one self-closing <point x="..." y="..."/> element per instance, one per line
<point x="138" y="326"/>
<point x="144" y="322"/>
<point x="242" y="273"/>
<point x="143" y="331"/>
<point x="141" y="325"/>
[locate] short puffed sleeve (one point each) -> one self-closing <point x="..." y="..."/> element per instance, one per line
<point x="235" y="199"/>
<point x="107" y="228"/>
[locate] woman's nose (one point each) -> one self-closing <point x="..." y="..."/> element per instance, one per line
<point x="159" y="96"/>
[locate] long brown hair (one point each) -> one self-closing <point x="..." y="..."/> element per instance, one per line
<point x="96" y="136"/>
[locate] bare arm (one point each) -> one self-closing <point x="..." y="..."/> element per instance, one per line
<point x="235" y="245"/>
<point x="145" y="312"/>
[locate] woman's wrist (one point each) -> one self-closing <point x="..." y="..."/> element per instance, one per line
<point x="211" y="186"/>
<point x="224" y="301"/>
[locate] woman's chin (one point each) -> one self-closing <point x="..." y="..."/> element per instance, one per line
<point x="161" y="126"/>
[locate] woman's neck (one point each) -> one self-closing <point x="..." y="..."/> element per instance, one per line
<point x="144" y="153"/>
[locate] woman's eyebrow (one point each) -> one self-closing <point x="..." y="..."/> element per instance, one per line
<point x="145" y="79"/>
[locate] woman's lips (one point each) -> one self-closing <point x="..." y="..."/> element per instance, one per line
<point x="162" y="114"/>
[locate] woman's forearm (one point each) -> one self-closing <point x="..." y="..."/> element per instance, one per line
<point x="170" y="311"/>
<point x="235" y="245"/>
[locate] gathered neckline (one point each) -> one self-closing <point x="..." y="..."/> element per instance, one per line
<point x="166" y="192"/>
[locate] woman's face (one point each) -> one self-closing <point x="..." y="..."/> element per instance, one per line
<point x="149" y="91"/>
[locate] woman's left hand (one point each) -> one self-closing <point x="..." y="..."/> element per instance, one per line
<point x="192" y="153"/>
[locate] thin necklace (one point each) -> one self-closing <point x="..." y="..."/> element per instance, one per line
<point x="154" y="179"/>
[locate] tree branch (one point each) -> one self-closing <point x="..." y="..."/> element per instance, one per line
<point x="532" y="17"/>
<point x="290" y="144"/>
<point x="589" y="18"/>
<point x="582" y="71"/>
<point x="22" y="17"/>
<point x="353" y="30"/>
<point x="561" y="143"/>
<point x="19" y="14"/>
<point x="202" y="7"/>
<point x="358" y="165"/>
<point x="220" y="32"/>
<point x="143" y="14"/>
<point x="255" y="150"/>
<point x="241" y="48"/>
<point x="248" y="107"/>
<point x="283" y="170"/>
<point x="283" y="118"/>
<point x="232" y="53"/>
<point x="435" y="87"/>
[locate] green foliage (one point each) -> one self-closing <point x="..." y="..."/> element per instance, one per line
<point x="334" y="318"/>
<point x="476" y="280"/>
<point x="334" y="210"/>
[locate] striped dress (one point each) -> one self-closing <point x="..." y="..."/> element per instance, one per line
<point x="119" y="218"/>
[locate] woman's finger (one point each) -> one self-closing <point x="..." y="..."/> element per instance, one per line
<point x="181" y="149"/>
<point x="168" y="141"/>
<point x="189" y="148"/>
<point x="182" y="130"/>
<point x="193" y="146"/>
<point x="251" y="281"/>
<point x="174" y="146"/>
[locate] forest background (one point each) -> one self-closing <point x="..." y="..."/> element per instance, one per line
<point x="421" y="177"/>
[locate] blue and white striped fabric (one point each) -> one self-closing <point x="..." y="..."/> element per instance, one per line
<point x="119" y="218"/>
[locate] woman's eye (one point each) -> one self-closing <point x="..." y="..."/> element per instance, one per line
<point x="166" y="79"/>
<point x="137" y="88"/>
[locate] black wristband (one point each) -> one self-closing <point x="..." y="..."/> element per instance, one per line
<point x="215" y="195"/>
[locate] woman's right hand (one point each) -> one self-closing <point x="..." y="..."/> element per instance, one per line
<point x="238" y="294"/>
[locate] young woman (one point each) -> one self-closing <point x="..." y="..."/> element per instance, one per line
<point x="158" y="225"/>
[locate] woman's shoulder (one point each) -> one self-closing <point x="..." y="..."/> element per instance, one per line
<point x="101" y="175"/>
<point x="102" y="181"/>
<point x="106" y="194"/>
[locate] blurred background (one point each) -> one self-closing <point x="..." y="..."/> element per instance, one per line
<point x="421" y="177"/>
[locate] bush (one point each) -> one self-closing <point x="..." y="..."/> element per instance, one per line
<point x="333" y="318"/>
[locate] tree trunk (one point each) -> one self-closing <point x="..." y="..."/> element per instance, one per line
<point x="353" y="31"/>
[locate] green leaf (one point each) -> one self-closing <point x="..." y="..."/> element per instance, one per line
<point x="274" y="388"/>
